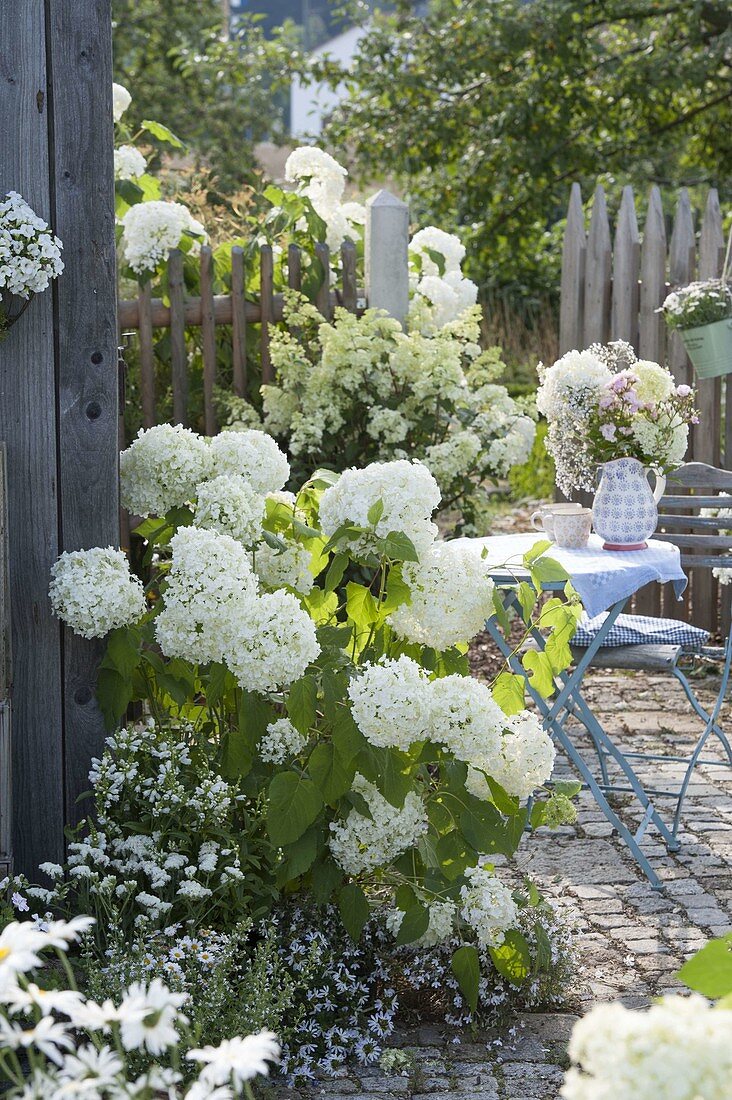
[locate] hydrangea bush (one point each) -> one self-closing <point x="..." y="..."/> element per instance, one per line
<point x="602" y="404"/>
<point x="361" y="390"/>
<point x="363" y="753"/>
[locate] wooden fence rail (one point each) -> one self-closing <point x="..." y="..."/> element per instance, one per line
<point x="612" y="286"/>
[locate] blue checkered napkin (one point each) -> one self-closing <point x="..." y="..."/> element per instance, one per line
<point x="640" y="630"/>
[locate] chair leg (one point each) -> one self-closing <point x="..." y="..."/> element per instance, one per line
<point x="703" y="714"/>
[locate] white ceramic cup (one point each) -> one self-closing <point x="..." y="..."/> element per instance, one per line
<point x="543" y="520"/>
<point x="572" y="529"/>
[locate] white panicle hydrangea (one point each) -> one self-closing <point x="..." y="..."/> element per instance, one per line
<point x="409" y="495"/>
<point x="94" y="592"/>
<point x="162" y="469"/>
<point x="466" y="720"/>
<point x="447" y="245"/>
<point x="453" y="457"/>
<point x="253" y="455"/>
<point x="285" y="568"/>
<point x="272" y="645"/>
<point x="571" y="387"/>
<point x="391" y="703"/>
<point x="440" y="928"/>
<point x="452" y="596"/>
<point x="30" y="255"/>
<point x="513" y="447"/>
<point x="121" y="100"/>
<point x="210" y="589"/>
<point x="487" y="906"/>
<point x="525" y="761"/>
<point x="129" y="163"/>
<point x="364" y="843"/>
<point x="151" y="229"/>
<point x="280" y="741"/>
<point x="229" y="505"/>
<point x="678" y="1049"/>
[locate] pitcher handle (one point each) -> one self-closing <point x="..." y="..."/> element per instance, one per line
<point x="660" y="486"/>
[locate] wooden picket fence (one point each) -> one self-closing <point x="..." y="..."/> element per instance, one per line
<point x="612" y="287"/>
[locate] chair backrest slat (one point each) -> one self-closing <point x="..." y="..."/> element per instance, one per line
<point x="703" y="523"/>
<point x="700" y="534"/>
<point x="698" y="542"/>
<point x="698" y="475"/>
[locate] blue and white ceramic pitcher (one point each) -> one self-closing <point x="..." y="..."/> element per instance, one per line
<point x="624" y="513"/>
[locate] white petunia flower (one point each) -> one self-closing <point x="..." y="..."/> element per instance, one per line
<point x="94" y="592"/>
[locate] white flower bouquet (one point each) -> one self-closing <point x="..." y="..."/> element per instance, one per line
<point x="603" y="404"/>
<point x="30" y="256"/>
<point x="700" y="303"/>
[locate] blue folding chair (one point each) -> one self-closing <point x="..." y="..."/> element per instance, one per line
<point x="704" y="545"/>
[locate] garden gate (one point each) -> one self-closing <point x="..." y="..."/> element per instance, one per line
<point x="611" y="290"/>
<point x="58" y="395"/>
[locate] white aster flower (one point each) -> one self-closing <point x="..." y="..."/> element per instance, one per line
<point x="229" y="505"/>
<point x="121" y="100"/>
<point x="253" y="455"/>
<point x="237" y="1060"/>
<point x="21" y="999"/>
<point x="89" y="1069"/>
<point x="391" y="703"/>
<point x="148" y="1015"/>
<point x="162" y="469"/>
<point x="452" y="596"/>
<point x="20" y="944"/>
<point x="47" y="1036"/>
<point x="94" y="592"/>
<point x="487" y="906"/>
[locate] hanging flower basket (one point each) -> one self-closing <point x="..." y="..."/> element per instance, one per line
<point x="30" y="258"/>
<point x="710" y="348"/>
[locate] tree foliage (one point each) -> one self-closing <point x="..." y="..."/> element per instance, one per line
<point x="486" y="110"/>
<point x="224" y="93"/>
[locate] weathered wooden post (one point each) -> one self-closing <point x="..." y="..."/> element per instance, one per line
<point x="387" y="260"/>
<point x="58" y="393"/>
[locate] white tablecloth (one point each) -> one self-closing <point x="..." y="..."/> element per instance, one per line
<point x="601" y="577"/>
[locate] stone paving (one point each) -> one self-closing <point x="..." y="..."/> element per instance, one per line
<point x="631" y="938"/>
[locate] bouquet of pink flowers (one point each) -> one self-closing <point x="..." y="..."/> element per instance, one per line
<point x="603" y="403"/>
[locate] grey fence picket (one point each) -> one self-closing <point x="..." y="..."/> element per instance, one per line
<point x="598" y="269"/>
<point x="574" y="253"/>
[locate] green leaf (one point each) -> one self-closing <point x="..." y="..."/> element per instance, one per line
<point x="454" y="855"/>
<point x="399" y="547"/>
<point x="397" y="592"/>
<point x="332" y="774"/>
<point x="536" y="551"/>
<point x="513" y="958"/>
<point x="500" y="611"/>
<point x="324" y="879"/>
<point x="539" y="665"/>
<point x="162" y="133"/>
<point x="465" y="964"/>
<point x="509" y="692"/>
<point x="543" y="962"/>
<point x="570" y="788"/>
<point x="354" y="909"/>
<point x="360" y="605"/>
<point x="709" y="971"/>
<point x="217" y="679"/>
<point x="301" y="703"/>
<point x="526" y="596"/>
<point x="129" y="192"/>
<point x="547" y="570"/>
<point x="123" y="651"/>
<point x="294" y="804"/>
<point x="336" y="569"/>
<point x="300" y="856"/>
<point x="415" y="923"/>
<point x="375" y="512"/>
<point x="485" y="829"/>
<point x="114" y="694"/>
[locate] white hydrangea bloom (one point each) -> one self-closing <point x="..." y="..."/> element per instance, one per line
<point x="30" y="255"/>
<point x="391" y="703"/>
<point x="525" y="760"/>
<point x="487" y="906"/>
<point x="662" y="445"/>
<point x="253" y="455"/>
<point x="321" y="179"/>
<point x="280" y="741"/>
<point x="162" y="469"/>
<point x="467" y="721"/>
<point x="513" y="447"/>
<point x="129" y="163"/>
<point x="121" y="100"/>
<point x="151" y="229"/>
<point x="229" y="505"/>
<point x="448" y="296"/>
<point x="270" y="646"/>
<point x="94" y="592"/>
<point x="678" y="1048"/>
<point x="452" y="596"/>
<point x="407" y="490"/>
<point x="211" y="588"/>
<point x="654" y="383"/>
<point x="362" y="844"/>
<point x="449" y="247"/>
<point x="285" y="568"/>
<point x="571" y="387"/>
<point x="440" y="928"/>
<point x="453" y="457"/>
<point x="388" y="425"/>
